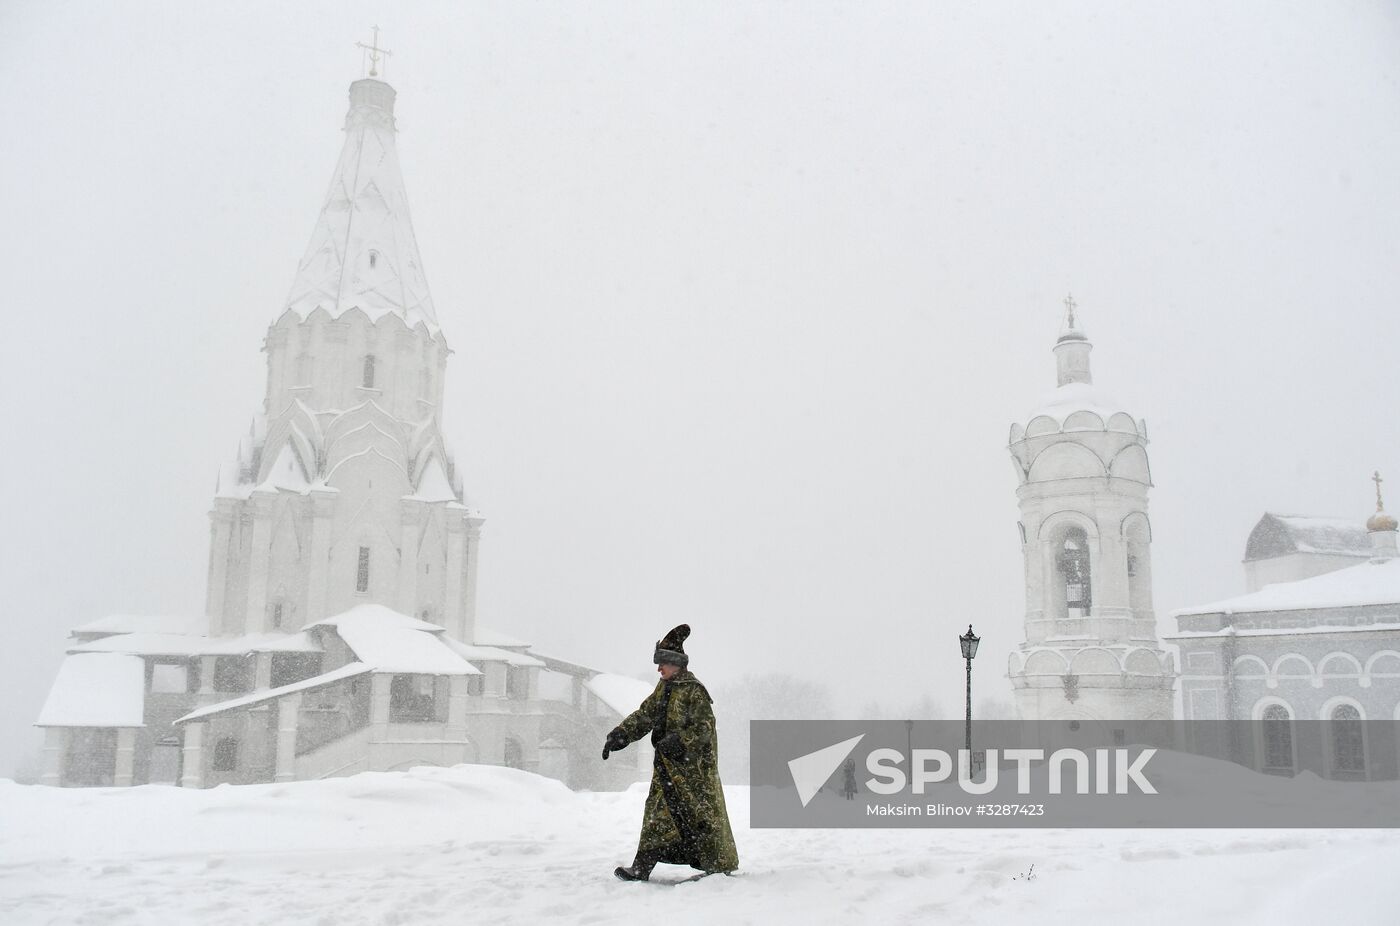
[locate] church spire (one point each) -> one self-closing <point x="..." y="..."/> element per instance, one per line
<point x="1072" y="349"/>
<point x="363" y="253"/>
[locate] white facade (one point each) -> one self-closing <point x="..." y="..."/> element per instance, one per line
<point x="1091" y="649"/>
<point x="340" y="630"/>
<point x="344" y="491"/>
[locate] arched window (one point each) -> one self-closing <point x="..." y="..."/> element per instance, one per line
<point x="515" y="756"/>
<point x="225" y="755"/>
<point x="367" y="380"/>
<point x="1348" y="749"/>
<point x="1278" y="739"/>
<point x="1072" y="562"/>
<point x="373" y="259"/>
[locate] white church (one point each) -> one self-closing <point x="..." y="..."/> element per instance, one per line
<point x="1314" y="637"/>
<point x="340" y="633"/>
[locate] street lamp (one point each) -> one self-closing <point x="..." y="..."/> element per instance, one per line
<point x="909" y="743"/>
<point x="969" y="643"/>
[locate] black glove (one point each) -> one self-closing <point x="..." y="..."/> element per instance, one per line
<point x="671" y="746"/>
<point x="614" y="742"/>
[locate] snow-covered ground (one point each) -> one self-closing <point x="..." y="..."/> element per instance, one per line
<point x="477" y="844"/>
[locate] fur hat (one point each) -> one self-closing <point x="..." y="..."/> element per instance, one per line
<point x="670" y="649"/>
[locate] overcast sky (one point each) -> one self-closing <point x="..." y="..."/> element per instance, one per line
<point x="744" y="299"/>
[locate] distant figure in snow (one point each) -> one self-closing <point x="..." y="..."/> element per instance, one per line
<point x="685" y="822"/>
<point x="849" y="788"/>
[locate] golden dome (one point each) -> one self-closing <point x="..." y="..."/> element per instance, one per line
<point x="1380" y="521"/>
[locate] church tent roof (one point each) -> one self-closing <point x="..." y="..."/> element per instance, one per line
<point x="257" y="697"/>
<point x="363" y="254"/>
<point x="97" y="690"/>
<point x="1283" y="534"/>
<point x="1363" y="585"/>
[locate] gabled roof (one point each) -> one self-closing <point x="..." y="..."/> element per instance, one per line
<point x="172" y="644"/>
<point x="619" y="692"/>
<point x="97" y="690"/>
<point x="362" y="253"/>
<point x="387" y="641"/>
<point x="485" y="636"/>
<point x="1363" y="585"/>
<point x="143" y="623"/>
<point x="477" y="653"/>
<point x="1284" y="534"/>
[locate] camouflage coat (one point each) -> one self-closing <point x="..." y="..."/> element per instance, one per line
<point x="686" y="822"/>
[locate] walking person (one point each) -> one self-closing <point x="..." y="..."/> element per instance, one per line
<point x="849" y="788"/>
<point x="685" y="822"/>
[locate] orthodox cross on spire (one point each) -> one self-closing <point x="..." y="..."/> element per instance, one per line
<point x="374" y="52"/>
<point x="1376" y="478"/>
<point x="1070" y="306"/>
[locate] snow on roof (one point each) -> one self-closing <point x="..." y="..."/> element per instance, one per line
<point x="170" y="644"/>
<point x="96" y="690"/>
<point x="316" y="681"/>
<point x="1381" y="627"/>
<point x="475" y="652"/>
<point x="379" y="613"/>
<point x="388" y="641"/>
<point x="485" y="636"/>
<point x="1370" y="583"/>
<point x="362" y="254"/>
<point x="434" y="487"/>
<point x="619" y="692"/>
<point x="1282" y="534"/>
<point x="1075" y="397"/>
<point x="286" y="473"/>
<point x="144" y="623"/>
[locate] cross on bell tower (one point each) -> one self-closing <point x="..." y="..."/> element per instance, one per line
<point x="374" y="52"/>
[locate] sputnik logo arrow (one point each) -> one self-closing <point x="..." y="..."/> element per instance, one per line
<point x="811" y="771"/>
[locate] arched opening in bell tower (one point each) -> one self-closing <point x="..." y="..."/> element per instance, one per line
<point x="1073" y="588"/>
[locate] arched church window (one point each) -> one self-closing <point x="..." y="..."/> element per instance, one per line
<point x="373" y="259"/>
<point x="1348" y="749"/>
<point x="1278" y="739"/>
<point x="225" y="755"/>
<point x="367" y="380"/>
<point x="362" y="571"/>
<point x="1072" y="560"/>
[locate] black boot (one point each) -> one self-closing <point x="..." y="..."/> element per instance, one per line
<point x="639" y="870"/>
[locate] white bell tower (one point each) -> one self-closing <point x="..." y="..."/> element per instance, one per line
<point x="1091" y="649"/>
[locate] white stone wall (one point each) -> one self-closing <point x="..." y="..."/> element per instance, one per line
<point x="360" y="456"/>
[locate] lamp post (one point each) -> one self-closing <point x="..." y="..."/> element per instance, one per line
<point x="909" y="743"/>
<point x="969" y="643"/>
